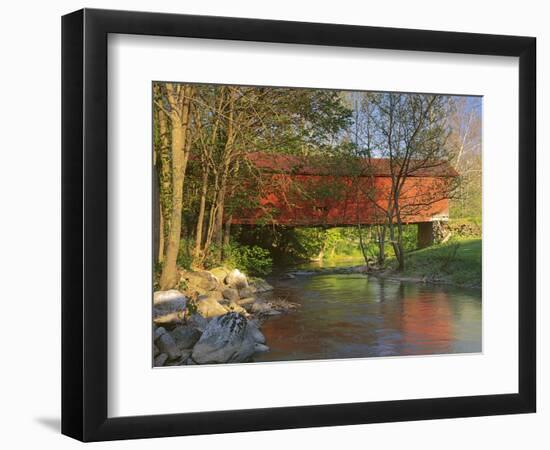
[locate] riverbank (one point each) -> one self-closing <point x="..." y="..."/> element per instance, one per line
<point x="456" y="263"/>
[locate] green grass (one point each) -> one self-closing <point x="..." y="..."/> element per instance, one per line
<point x="457" y="261"/>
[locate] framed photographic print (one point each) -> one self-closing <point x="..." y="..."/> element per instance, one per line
<point x="315" y="211"/>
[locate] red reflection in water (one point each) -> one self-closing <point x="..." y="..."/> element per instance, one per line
<point x="427" y="321"/>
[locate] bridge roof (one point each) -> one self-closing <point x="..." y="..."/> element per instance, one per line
<point x="379" y="167"/>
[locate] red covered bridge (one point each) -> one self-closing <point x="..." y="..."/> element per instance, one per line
<point x="322" y="192"/>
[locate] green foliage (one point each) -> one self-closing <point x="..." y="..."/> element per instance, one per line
<point x="251" y="259"/>
<point x="467" y="227"/>
<point x="185" y="255"/>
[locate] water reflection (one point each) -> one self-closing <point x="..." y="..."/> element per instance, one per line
<point x="353" y="316"/>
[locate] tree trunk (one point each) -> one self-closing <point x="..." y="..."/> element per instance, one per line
<point x="381" y="231"/>
<point x="157" y="217"/>
<point x="180" y="149"/>
<point x="202" y="207"/>
<point x="165" y="182"/>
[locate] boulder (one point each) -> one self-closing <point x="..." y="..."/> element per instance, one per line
<point x="156" y="350"/>
<point x="247" y="301"/>
<point x="254" y="332"/>
<point x="231" y="294"/>
<point x="236" y="279"/>
<point x="264" y="308"/>
<point x="227" y="339"/>
<point x="167" y="345"/>
<point x="212" y="295"/>
<point x="209" y="307"/>
<point x="181" y="361"/>
<point x="248" y="291"/>
<point x="185" y="337"/>
<point x="169" y="307"/>
<point x="261" y="307"/>
<point x="235" y="307"/>
<point x="220" y="273"/>
<point x="260" y="285"/>
<point x="200" y="281"/>
<point x="160" y="360"/>
<point x="198" y="322"/>
<point x="158" y="332"/>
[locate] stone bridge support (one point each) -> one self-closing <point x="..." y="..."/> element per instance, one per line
<point x="425" y="235"/>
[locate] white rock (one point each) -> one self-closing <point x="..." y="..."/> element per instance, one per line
<point x="236" y="279"/>
<point x="169" y="307"/>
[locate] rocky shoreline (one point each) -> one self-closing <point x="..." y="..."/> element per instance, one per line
<point x="214" y="318"/>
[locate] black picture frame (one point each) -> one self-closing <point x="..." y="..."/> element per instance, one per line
<point x="84" y="224"/>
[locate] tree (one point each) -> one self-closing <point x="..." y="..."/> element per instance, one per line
<point x="465" y="144"/>
<point x="410" y="132"/>
<point x="175" y="103"/>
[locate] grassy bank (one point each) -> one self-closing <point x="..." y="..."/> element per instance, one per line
<point x="457" y="262"/>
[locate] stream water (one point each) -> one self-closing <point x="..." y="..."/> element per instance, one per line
<point x="357" y="316"/>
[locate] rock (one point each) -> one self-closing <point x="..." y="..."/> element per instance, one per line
<point x="156" y="350"/>
<point x="234" y="307"/>
<point x="236" y="279"/>
<point x="167" y="345"/>
<point x="261" y="307"/>
<point x="169" y="307"/>
<point x="227" y="339"/>
<point x="247" y="292"/>
<point x="260" y="348"/>
<point x="201" y="280"/>
<point x="181" y="361"/>
<point x="212" y="295"/>
<point x="209" y="307"/>
<point x="198" y="322"/>
<point x="247" y="301"/>
<point x="231" y="294"/>
<point x="185" y="337"/>
<point x="254" y="331"/>
<point x="160" y="360"/>
<point x="158" y="333"/>
<point x="220" y="273"/>
<point x="260" y="285"/>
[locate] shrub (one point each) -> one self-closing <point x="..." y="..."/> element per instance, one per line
<point x="252" y="259"/>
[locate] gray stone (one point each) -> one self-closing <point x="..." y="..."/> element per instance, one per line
<point x="160" y="360"/>
<point x="254" y="332"/>
<point x="198" y="322"/>
<point x="261" y="307"/>
<point x="181" y="361"/>
<point x="226" y="340"/>
<point x="156" y="350"/>
<point x="159" y="331"/>
<point x="185" y="336"/>
<point x="169" y="307"/>
<point x="260" y="285"/>
<point x="231" y="294"/>
<point x="236" y="279"/>
<point x="247" y="292"/>
<point x="166" y="344"/>
<point x="212" y="295"/>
